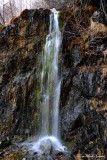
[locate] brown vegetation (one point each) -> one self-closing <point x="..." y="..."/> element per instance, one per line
<point x="14" y="20"/>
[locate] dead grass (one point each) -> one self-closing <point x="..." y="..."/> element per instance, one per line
<point x="95" y="105"/>
<point x="104" y="71"/>
<point x="96" y="27"/>
<point x="105" y="54"/>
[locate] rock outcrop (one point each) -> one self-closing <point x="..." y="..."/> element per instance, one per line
<point x="84" y="85"/>
<point x="20" y="45"/>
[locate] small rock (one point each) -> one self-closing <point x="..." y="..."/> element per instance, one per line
<point x="5" y="143"/>
<point x="46" y="146"/>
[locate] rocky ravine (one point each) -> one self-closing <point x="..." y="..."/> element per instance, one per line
<point x="83" y="61"/>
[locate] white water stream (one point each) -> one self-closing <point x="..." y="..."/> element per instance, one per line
<point x="50" y="82"/>
<point x="50" y="90"/>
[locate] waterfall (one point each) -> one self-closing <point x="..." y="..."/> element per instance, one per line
<point x="50" y="82"/>
<point x="49" y="91"/>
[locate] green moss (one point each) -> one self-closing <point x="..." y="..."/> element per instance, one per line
<point x="15" y="155"/>
<point x="63" y="17"/>
<point x="71" y="143"/>
<point x="37" y="92"/>
<point x="35" y="123"/>
<point x="28" y="27"/>
<point x="61" y="20"/>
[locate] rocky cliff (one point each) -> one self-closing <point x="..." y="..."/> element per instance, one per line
<point x="21" y="43"/>
<point x="83" y="65"/>
<point x="84" y="85"/>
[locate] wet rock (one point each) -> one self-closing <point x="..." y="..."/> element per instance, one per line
<point x="73" y="58"/>
<point x="48" y="158"/>
<point x="46" y="147"/>
<point x="103" y="93"/>
<point x="76" y="55"/>
<point x="5" y="143"/>
<point x="87" y="83"/>
<point x="60" y="155"/>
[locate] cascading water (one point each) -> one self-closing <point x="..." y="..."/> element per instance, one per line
<point x="50" y="87"/>
<point x="50" y="82"/>
<point x="50" y="90"/>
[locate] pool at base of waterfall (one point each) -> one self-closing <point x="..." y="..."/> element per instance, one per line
<point x="44" y="145"/>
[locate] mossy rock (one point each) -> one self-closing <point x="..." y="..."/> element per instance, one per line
<point x="15" y="155"/>
<point x="63" y="17"/>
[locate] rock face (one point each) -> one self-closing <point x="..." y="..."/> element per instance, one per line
<point x="83" y="61"/>
<point x="84" y="85"/>
<point x="20" y="45"/>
